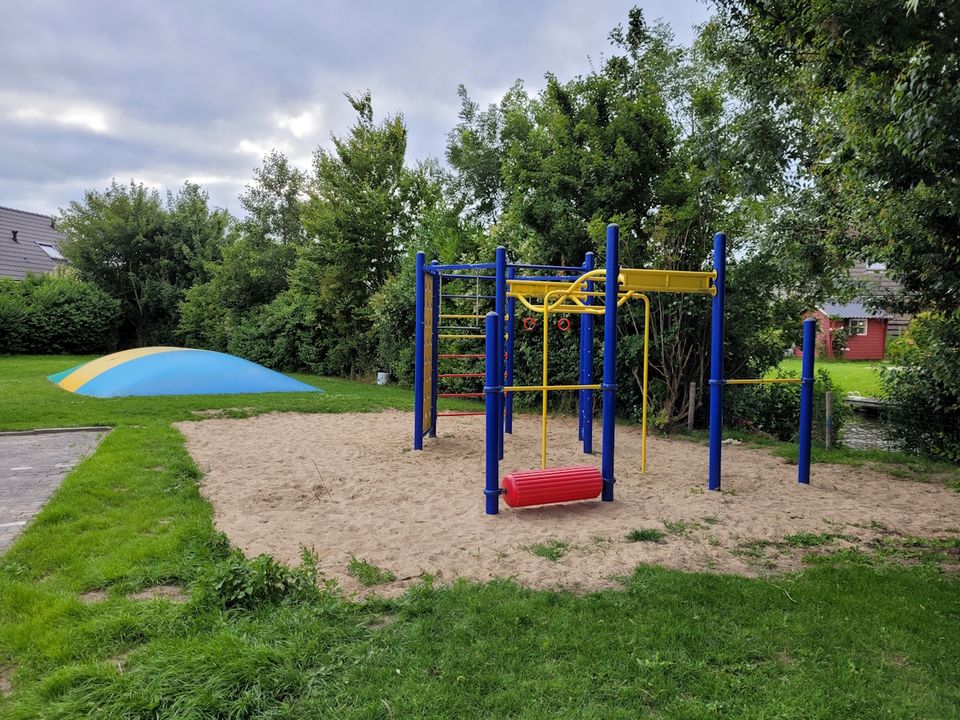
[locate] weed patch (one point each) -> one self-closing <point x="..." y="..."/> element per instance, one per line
<point x="368" y="574"/>
<point x="645" y="535"/>
<point x="551" y="550"/>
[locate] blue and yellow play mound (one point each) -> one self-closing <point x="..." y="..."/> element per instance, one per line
<point x="173" y="371"/>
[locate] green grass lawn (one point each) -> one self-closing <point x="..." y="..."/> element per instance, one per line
<point x="862" y="376"/>
<point x="852" y="636"/>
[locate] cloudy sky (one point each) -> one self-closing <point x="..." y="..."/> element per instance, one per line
<point x="168" y="91"/>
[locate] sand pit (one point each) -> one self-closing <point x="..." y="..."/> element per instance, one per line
<point x="349" y="485"/>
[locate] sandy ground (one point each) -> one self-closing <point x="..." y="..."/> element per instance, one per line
<point x="349" y="485"/>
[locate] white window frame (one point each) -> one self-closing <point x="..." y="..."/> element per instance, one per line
<point x="854" y="325"/>
<point x="48" y="247"/>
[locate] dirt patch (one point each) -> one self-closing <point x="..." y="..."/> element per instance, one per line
<point x="6" y="679"/>
<point x="349" y="485"/>
<point x="222" y="412"/>
<point x="120" y="661"/>
<point x="93" y="596"/>
<point x="173" y="593"/>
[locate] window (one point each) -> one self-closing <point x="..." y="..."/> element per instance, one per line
<point x="857" y="326"/>
<point x="51" y="250"/>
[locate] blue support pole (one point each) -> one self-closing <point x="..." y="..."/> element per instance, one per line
<point x="610" y="362"/>
<point x="511" y="324"/>
<point x="716" y="359"/>
<point x="493" y="392"/>
<point x="418" y="358"/>
<point x="586" y="363"/>
<point x="500" y="307"/>
<point x="806" y="399"/>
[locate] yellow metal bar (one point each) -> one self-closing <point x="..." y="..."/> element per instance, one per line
<point x="461" y="337"/>
<point x="762" y="381"/>
<point x="646" y="369"/>
<point x="676" y="281"/>
<point x="461" y="317"/>
<point x="543" y="404"/>
<point x="539" y="388"/>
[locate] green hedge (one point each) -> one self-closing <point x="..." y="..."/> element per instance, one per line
<point x="923" y="388"/>
<point x="54" y="314"/>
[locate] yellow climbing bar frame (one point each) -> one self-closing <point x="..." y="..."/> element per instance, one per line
<point x="559" y="298"/>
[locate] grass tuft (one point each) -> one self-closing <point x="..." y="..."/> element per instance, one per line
<point x="645" y="535"/>
<point x="551" y="550"/>
<point x="368" y="574"/>
<point x="809" y="539"/>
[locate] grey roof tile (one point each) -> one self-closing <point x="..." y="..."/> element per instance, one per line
<point x="855" y="309"/>
<point x="23" y="255"/>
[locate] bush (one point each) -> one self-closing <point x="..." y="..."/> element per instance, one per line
<point x="239" y="583"/>
<point x="924" y="389"/>
<point x="56" y="314"/>
<point x="774" y="409"/>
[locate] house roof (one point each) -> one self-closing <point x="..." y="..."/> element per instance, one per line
<point x="852" y="310"/>
<point x="23" y="254"/>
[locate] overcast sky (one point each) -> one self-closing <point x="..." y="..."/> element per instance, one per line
<point x="173" y="90"/>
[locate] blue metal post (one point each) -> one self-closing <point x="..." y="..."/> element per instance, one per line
<point x="610" y="361"/>
<point x="716" y="359"/>
<point x="418" y="359"/>
<point x="806" y="399"/>
<point x="586" y="364"/>
<point x="511" y="324"/>
<point x="493" y="392"/>
<point x="500" y="307"/>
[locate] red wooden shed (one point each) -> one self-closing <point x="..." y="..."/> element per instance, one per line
<point x="866" y="330"/>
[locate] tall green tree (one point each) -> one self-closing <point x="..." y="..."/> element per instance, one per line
<point x="253" y="265"/>
<point x="873" y="88"/>
<point x="274" y="201"/>
<point x="358" y="218"/>
<point x="660" y="140"/>
<point x="144" y="251"/>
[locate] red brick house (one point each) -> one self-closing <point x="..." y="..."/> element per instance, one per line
<point x="866" y="330"/>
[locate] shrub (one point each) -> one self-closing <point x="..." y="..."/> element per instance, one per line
<point x="924" y="390"/>
<point x="56" y="314"/>
<point x="239" y="583"/>
<point x="774" y="409"/>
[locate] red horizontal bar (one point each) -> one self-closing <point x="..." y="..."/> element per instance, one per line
<point x="458" y="414"/>
<point x="460" y="355"/>
<point x="480" y="394"/>
<point x="460" y="375"/>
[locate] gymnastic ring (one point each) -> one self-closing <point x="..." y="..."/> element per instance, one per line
<point x="563" y="324"/>
<point x="529" y="323"/>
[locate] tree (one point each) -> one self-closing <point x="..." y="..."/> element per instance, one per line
<point x="274" y="201"/>
<point x="358" y="218"/>
<point x="873" y="89"/>
<point x="254" y="263"/>
<point x="658" y="140"/>
<point x="142" y="251"/>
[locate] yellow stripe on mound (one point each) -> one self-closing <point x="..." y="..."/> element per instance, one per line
<point x="85" y="373"/>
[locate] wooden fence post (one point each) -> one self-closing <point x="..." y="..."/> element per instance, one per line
<point x="828" y="420"/>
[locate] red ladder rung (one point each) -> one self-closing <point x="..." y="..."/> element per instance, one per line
<point x="446" y="356"/>
<point x="451" y="395"/>
<point x="458" y="414"/>
<point x="461" y="375"/>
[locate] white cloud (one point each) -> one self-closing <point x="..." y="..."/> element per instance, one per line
<point x="299" y="125"/>
<point x="52" y="110"/>
<point x="259" y="148"/>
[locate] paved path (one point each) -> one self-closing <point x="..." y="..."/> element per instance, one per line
<point x="31" y="468"/>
